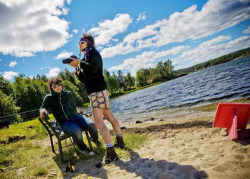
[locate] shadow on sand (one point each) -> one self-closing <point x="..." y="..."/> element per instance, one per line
<point x="137" y="166"/>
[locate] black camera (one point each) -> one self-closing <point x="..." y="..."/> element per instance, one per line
<point x="68" y="60"/>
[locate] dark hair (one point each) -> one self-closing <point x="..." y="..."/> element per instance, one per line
<point x="90" y="38"/>
<point x="54" y="81"/>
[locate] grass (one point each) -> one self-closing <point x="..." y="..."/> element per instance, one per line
<point x="40" y="171"/>
<point x="28" y="158"/>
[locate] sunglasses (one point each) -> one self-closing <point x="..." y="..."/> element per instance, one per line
<point x="81" y="42"/>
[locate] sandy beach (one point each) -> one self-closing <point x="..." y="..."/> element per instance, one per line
<point x="189" y="148"/>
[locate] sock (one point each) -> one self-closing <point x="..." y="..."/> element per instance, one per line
<point x="109" y="145"/>
<point x="119" y="135"/>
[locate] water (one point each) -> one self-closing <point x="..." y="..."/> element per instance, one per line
<point x="229" y="80"/>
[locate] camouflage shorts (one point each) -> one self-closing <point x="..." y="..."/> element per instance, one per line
<point x="100" y="100"/>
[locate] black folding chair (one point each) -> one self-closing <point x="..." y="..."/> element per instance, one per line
<point x="53" y="131"/>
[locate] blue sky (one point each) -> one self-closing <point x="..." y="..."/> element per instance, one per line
<point x="36" y="35"/>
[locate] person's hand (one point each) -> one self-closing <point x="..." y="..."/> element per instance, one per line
<point x="77" y="71"/>
<point x="74" y="62"/>
<point x="41" y="113"/>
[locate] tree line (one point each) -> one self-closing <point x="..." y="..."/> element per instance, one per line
<point x="21" y="99"/>
<point x="216" y="61"/>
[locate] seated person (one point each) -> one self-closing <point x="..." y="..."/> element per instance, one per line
<point x="61" y="104"/>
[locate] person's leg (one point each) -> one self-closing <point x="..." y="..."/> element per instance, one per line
<point x="99" y="123"/>
<point x="74" y="130"/>
<point x="110" y="154"/>
<point x="116" y="126"/>
<point x="86" y="124"/>
<point x="110" y="117"/>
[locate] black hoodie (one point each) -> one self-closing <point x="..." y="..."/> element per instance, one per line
<point x="91" y="73"/>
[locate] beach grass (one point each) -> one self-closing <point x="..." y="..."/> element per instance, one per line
<point x="24" y="155"/>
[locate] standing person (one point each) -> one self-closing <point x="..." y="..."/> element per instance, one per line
<point x="89" y="71"/>
<point x="61" y="104"/>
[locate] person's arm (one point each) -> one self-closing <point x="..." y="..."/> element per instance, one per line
<point x="92" y="65"/>
<point x="44" y="107"/>
<point x="80" y="75"/>
<point x="72" y="101"/>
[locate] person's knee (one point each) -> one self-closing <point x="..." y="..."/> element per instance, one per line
<point x="77" y="134"/>
<point x="98" y="123"/>
<point x="93" y="131"/>
<point x="92" y="127"/>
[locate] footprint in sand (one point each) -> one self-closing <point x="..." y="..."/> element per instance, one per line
<point x="239" y="157"/>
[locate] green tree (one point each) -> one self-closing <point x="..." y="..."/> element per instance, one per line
<point x="6" y="87"/>
<point x="169" y="69"/>
<point x="8" y="107"/>
<point x="69" y="76"/>
<point x="142" y="77"/>
<point x="121" y="80"/>
<point x="7" y="100"/>
<point x="75" y="92"/>
<point x="111" y="82"/>
<point x="29" y="92"/>
<point x="129" y="81"/>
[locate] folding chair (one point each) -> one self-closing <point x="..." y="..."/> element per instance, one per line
<point x="232" y="116"/>
<point x="52" y="131"/>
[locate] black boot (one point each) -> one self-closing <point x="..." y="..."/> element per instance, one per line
<point x="119" y="142"/>
<point x="110" y="155"/>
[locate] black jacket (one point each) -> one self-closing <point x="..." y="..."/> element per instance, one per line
<point x="91" y="73"/>
<point x="61" y="104"/>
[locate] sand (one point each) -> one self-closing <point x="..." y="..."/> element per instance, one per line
<point x="187" y="149"/>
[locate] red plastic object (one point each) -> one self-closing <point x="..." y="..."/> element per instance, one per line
<point x="232" y="116"/>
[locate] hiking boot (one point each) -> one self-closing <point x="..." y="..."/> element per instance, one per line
<point x="110" y="155"/>
<point x="119" y="142"/>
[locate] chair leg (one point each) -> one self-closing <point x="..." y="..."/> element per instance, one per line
<point x="60" y="150"/>
<point x="52" y="145"/>
<point x="89" y="141"/>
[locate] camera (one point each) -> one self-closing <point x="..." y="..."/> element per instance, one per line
<point x="68" y="60"/>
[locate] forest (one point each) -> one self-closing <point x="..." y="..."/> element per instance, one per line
<point x="21" y="99"/>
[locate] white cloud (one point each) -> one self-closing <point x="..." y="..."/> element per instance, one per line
<point x="146" y="59"/>
<point x="247" y="31"/>
<point x="13" y="63"/>
<point x="0" y="59"/>
<point x="53" y="72"/>
<point x="65" y="11"/>
<point x="28" y="27"/>
<point x="141" y="16"/>
<point x="181" y="26"/>
<point x="9" y="75"/>
<point x="75" y="31"/>
<point x="63" y="54"/>
<point x="43" y="68"/>
<point x="211" y="49"/>
<point x="109" y="28"/>
<point x="68" y="1"/>
<point x="207" y="50"/>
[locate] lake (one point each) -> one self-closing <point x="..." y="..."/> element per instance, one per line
<point x="230" y="80"/>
